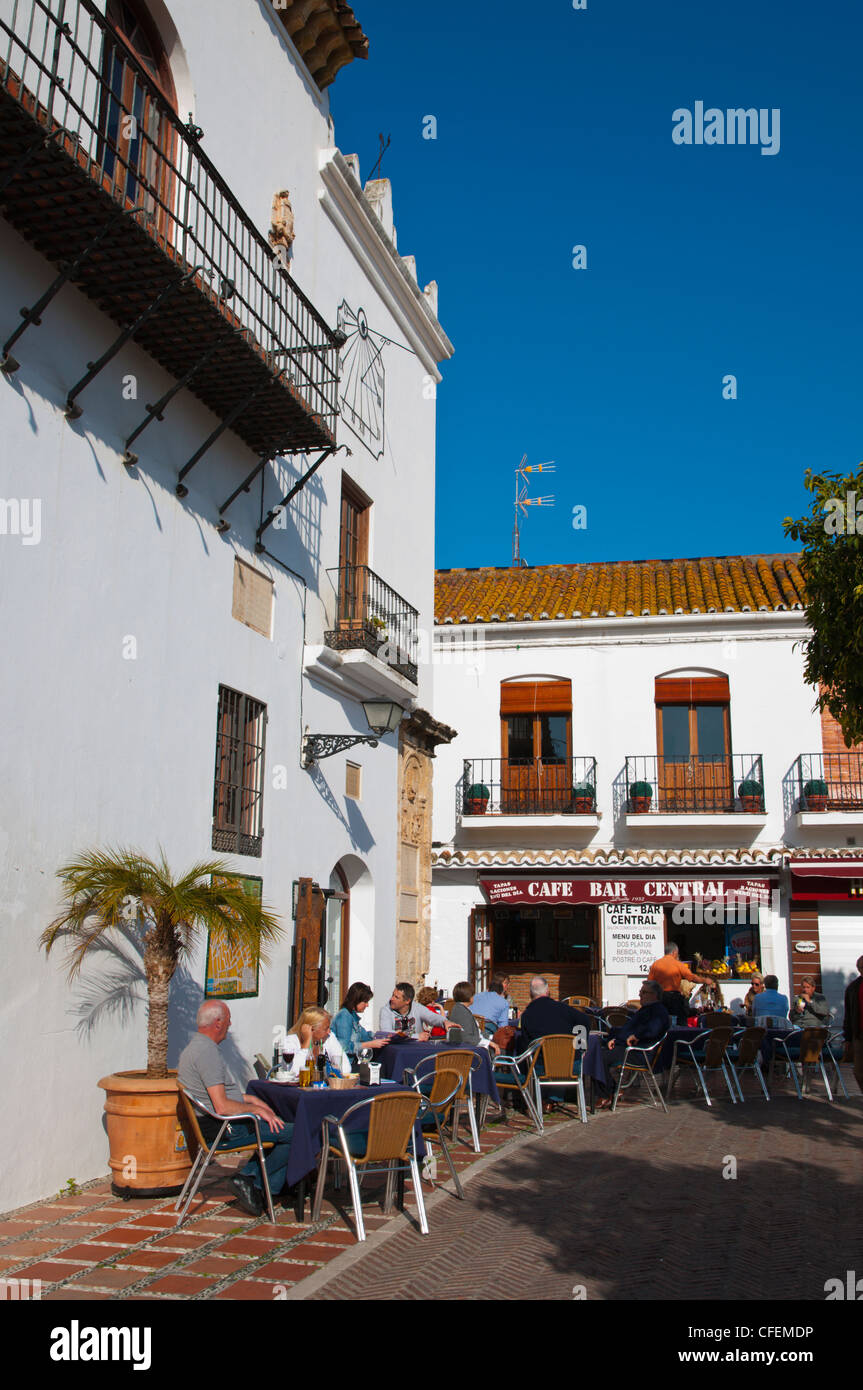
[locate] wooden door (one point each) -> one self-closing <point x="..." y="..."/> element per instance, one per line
<point x="536" y="764"/>
<point x="479" y="948"/>
<point x="353" y="555"/>
<point x="308" y="976"/>
<point x="694" y="763"/>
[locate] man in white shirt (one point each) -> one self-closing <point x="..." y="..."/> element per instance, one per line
<point x="402" y="1009"/>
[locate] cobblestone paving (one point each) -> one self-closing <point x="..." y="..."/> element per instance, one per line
<point x="92" y="1245"/>
<point x="635" y="1206"/>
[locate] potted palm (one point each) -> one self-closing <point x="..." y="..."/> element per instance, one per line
<point x="640" y="797"/>
<point x="107" y="891"/>
<point x="583" y="798"/>
<point x="751" y="795"/>
<point x="476" y="799"/>
<point x="815" y="793"/>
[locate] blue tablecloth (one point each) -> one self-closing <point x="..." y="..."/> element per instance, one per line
<point x="395" y="1057"/>
<point x="306" y="1107"/>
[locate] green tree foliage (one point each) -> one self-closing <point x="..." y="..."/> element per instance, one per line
<point x="831" y="535"/>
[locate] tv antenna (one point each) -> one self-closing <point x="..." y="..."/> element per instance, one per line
<point x="376" y="170"/>
<point x="522" y="501"/>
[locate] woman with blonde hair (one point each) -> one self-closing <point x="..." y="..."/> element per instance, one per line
<point x="312" y="1029"/>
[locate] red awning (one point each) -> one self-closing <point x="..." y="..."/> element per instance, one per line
<point x="827" y="868"/>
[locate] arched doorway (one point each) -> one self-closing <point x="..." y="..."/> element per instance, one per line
<point x="337" y="938"/>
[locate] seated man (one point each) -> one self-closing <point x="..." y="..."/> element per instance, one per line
<point x="491" y="1004"/>
<point x="770" y="1002"/>
<point x="404" y="1010"/>
<point x="810" y="1010"/>
<point x="645" y="1027"/>
<point x="545" y="1015"/>
<point x="203" y="1073"/>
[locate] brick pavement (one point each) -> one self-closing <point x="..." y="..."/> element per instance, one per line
<point x="92" y="1245"/>
<point x="584" y="1205"/>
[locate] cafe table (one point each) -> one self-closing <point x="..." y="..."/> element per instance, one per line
<point x="305" y="1108"/>
<point x="397" y="1056"/>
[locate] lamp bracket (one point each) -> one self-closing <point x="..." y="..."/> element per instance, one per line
<point x="317" y="746"/>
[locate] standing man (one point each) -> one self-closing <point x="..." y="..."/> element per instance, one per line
<point x="203" y="1073"/>
<point x="668" y="972"/>
<point x="854" y="1024"/>
<point x="403" y="1006"/>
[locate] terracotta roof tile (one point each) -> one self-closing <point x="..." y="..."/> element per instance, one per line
<point x="737" y="583"/>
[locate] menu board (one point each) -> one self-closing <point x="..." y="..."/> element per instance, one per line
<point x="633" y="937"/>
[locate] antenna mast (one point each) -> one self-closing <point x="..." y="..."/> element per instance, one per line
<point x="522" y="501"/>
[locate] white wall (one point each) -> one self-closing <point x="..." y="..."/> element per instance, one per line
<point x="101" y="750"/>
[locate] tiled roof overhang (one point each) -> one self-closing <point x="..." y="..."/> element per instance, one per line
<point x="769" y="857"/>
<point x="620" y="589"/>
<point x="326" y="33"/>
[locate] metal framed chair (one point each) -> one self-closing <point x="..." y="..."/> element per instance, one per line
<point x="704" y="1054"/>
<point x="387" y="1146"/>
<point x="581" y="1001"/>
<point x="442" y="1085"/>
<point x="206" y="1152"/>
<point x="744" y="1055"/>
<point x="465" y="1063"/>
<point x="639" y="1062"/>
<point x="836" y="1044"/>
<point x="557" y="1063"/>
<point x="716" y="1019"/>
<point x="616" y="1018"/>
<point x="806" y="1046"/>
<point x="510" y="1076"/>
<point x="632" y="1004"/>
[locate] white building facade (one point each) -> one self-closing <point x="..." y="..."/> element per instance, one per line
<point x="638" y="759"/>
<point x="218" y="474"/>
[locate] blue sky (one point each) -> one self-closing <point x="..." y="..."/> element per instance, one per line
<point x="554" y="130"/>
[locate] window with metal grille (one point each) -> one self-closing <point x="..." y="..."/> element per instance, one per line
<point x="238" y="797"/>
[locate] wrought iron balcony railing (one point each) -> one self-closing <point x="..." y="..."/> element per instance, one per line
<point x="825" y="782"/>
<point x="100" y="174"/>
<point x="527" y="787"/>
<point x="372" y="616"/>
<point x="708" y="785"/>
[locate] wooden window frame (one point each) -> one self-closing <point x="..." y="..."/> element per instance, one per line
<point x="351" y="595"/>
<point x="238" y="782"/>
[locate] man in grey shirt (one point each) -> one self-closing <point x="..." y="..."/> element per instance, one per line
<point x="203" y="1074"/>
<point x="403" y="1009"/>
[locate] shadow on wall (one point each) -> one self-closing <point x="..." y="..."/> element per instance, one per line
<point x="833" y="985"/>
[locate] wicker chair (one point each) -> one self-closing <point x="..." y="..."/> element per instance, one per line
<point x="557" y="1063"/>
<point x="206" y="1152"/>
<point x="805" y="1046"/>
<point x="716" y="1019"/>
<point x="704" y="1054"/>
<point x="640" y="1062"/>
<point x="388" y="1146"/>
<point x="510" y="1074"/>
<point x="438" y="1087"/>
<point x="616" y="1018"/>
<point x="745" y="1055"/>
<point x="581" y="1001"/>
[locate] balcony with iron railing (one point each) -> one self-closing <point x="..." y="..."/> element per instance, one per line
<point x="372" y="617"/>
<point x="668" y="789"/>
<point x="491" y="790"/>
<point x="822" y="786"/>
<point x="99" y="173"/>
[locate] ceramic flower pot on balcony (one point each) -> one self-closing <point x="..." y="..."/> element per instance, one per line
<point x="476" y="800"/>
<point x="815" y="793"/>
<point x="640" y="797"/>
<point x="583" y="799"/>
<point x="751" y="795"/>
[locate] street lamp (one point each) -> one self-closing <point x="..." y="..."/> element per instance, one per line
<point x="382" y="717"/>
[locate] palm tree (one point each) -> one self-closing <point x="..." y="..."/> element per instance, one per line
<point x="104" y="890"/>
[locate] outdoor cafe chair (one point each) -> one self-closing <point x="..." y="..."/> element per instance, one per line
<point x="714" y="1018"/>
<point x="206" y="1152"/>
<point x="387" y="1146"/>
<point x="640" y="1062"/>
<point x="438" y="1087"/>
<point x="616" y="1018"/>
<point x="557" y="1063"/>
<point x="581" y="1001"/>
<point x="704" y="1053"/>
<point x="744" y="1055"/>
<point x="465" y="1063"/>
<point x="836" y="1044"/>
<point x="509" y="1075"/>
<point x="806" y="1046"/>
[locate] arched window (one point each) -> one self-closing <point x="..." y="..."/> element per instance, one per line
<point x="693" y="742"/>
<point x="139" y="137"/>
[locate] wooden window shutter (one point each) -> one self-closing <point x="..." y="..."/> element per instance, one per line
<point x="691" y="691"/>
<point x="353" y="780"/>
<point x="529" y="697"/>
<point x="253" y="598"/>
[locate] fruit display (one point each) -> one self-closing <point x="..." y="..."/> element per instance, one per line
<point x="724" y="969"/>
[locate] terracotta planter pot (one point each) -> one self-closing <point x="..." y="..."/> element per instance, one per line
<point x="584" y="804"/>
<point x="641" y="804"/>
<point x="149" y="1157"/>
<point x="474" y="806"/>
<point x="751" y="803"/>
<point x="816" y="803"/>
